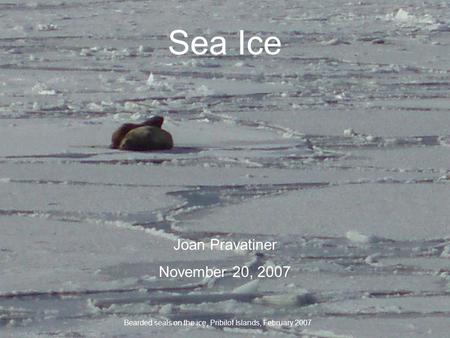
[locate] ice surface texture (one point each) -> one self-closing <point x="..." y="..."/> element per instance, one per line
<point x="337" y="148"/>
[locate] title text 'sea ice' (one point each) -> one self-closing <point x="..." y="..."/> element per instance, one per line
<point x="217" y="45"/>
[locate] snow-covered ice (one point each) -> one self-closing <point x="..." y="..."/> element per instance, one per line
<point x="337" y="148"/>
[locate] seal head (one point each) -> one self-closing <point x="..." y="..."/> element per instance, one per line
<point x="154" y="121"/>
<point x="120" y="133"/>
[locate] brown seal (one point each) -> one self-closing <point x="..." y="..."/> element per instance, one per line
<point x="146" y="138"/>
<point x="119" y="134"/>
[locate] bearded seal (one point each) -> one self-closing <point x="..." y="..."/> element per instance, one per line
<point x="119" y="134"/>
<point x="147" y="135"/>
<point x="146" y="138"/>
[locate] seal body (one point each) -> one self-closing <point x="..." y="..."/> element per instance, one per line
<point x="146" y="138"/>
<point x="154" y="138"/>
